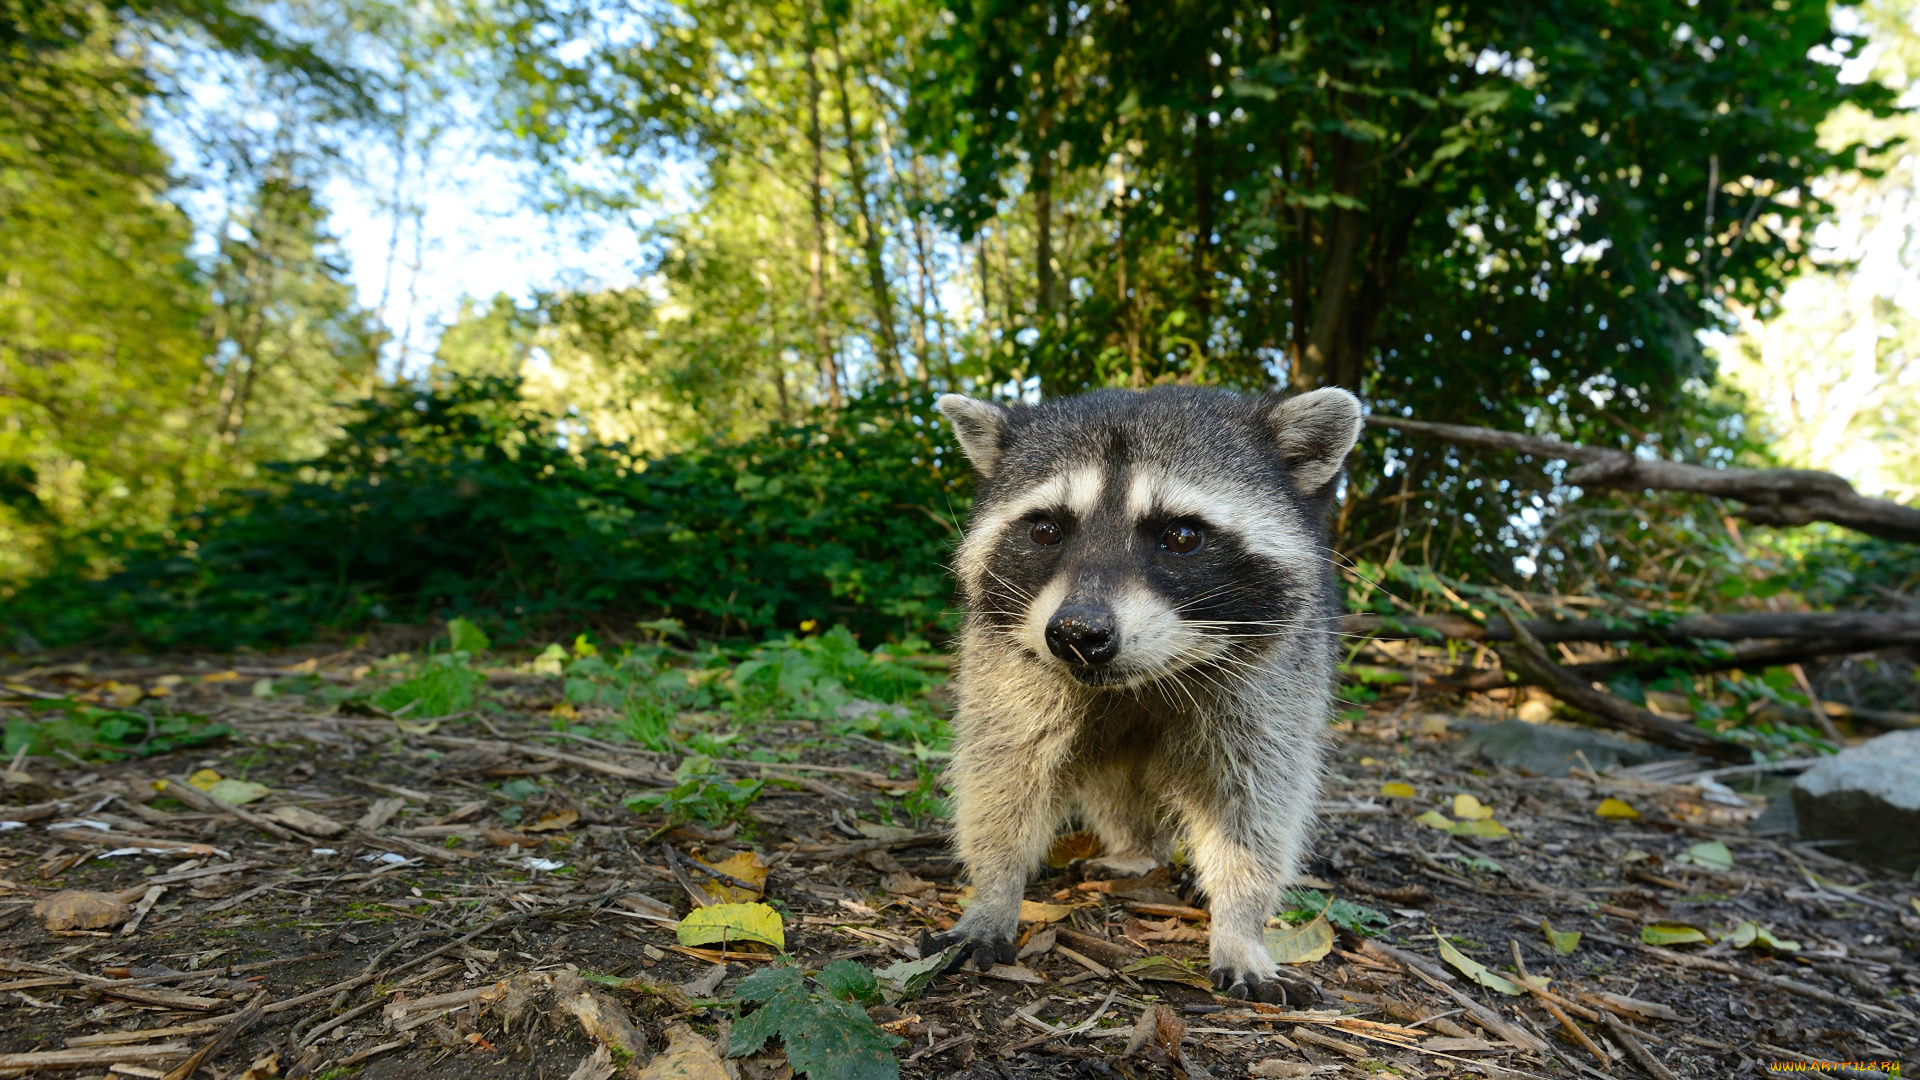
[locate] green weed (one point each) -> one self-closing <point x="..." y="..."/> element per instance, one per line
<point x="700" y="794"/>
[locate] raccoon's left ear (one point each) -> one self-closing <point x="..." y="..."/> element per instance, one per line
<point x="981" y="427"/>
<point x="1313" y="432"/>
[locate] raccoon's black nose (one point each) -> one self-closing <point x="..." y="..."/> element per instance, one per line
<point x="1083" y="634"/>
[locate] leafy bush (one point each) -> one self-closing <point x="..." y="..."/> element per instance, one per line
<point x="457" y="498"/>
<point x="88" y="731"/>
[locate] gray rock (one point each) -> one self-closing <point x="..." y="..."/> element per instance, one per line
<point x="1550" y="750"/>
<point x="1869" y="797"/>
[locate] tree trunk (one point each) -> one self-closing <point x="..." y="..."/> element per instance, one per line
<point x="817" y="257"/>
<point x="1043" y="234"/>
<point x="876" y="267"/>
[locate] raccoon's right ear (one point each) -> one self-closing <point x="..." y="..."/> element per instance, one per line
<point x="1314" y="432"/>
<point x="981" y="427"/>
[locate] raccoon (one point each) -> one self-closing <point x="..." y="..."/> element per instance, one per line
<point x="1148" y="646"/>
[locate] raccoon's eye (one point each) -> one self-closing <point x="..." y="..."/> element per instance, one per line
<point x="1046" y="533"/>
<point x="1181" y="539"/>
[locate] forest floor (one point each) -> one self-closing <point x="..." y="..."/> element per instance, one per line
<point x="487" y="905"/>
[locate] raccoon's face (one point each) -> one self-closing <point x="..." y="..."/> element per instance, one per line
<point x="1121" y="537"/>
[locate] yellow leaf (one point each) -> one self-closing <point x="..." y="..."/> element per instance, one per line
<point x="1031" y="911"/>
<point x="417" y="727"/>
<point x="1436" y="820"/>
<point x="745" y="865"/>
<point x="1614" y="808"/>
<point x="220" y="676"/>
<point x="561" y="820"/>
<point x="236" y="792"/>
<point x="1468" y="808"/>
<point x="204" y="779"/>
<point x="1398" y="789"/>
<point x="1666" y="933"/>
<point x="1480" y="828"/>
<point x="731" y="923"/>
<point x="1475" y="970"/>
<point x="1301" y="944"/>
<point x="1563" y="941"/>
<point x="1367" y="762"/>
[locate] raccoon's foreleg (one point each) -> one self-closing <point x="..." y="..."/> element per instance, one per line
<point x="1006" y="807"/>
<point x="1245" y="842"/>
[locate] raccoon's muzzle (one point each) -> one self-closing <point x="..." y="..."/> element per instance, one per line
<point x="1084" y="635"/>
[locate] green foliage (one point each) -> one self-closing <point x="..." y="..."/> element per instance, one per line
<point x="88" y="731"/>
<point x="1304" y="904"/>
<point x="700" y="794"/>
<point x="444" y="685"/>
<point x="817" y="675"/>
<point x="827" y="1034"/>
<point x="460" y="497"/>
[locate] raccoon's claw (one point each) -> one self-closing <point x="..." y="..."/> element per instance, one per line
<point x="984" y="954"/>
<point x="1280" y="988"/>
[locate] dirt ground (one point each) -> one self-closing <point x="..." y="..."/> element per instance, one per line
<point x="448" y="928"/>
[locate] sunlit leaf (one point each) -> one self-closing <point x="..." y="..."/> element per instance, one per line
<point x="1669" y="933"/>
<point x="1468" y="808"/>
<point x="729" y="923"/>
<point x="1301" y="944"/>
<point x="1563" y="941"/>
<point x="1398" y="789"/>
<point x="1614" y="808"/>
<point x="1436" y="820"/>
<point x="1475" y="970"/>
<point x="1751" y="935"/>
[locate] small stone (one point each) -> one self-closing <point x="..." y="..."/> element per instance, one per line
<point x="1869" y="797"/>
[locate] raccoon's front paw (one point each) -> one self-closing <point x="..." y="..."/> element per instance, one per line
<point x="983" y="952"/>
<point x="1279" y="988"/>
<point x="1108" y="867"/>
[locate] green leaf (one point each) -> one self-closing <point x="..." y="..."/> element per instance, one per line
<point x="1563" y="941"/>
<point x="1475" y="970"/>
<point x="908" y="978"/>
<point x="848" y="981"/>
<point x="1492" y="829"/>
<point x="1711" y="855"/>
<point x="1434" y="819"/>
<point x="1751" y="935"/>
<point x="824" y="1037"/>
<point x="729" y="923"/>
<point x="1668" y="933"/>
<point x="465" y="637"/>
<point x="237" y="792"/>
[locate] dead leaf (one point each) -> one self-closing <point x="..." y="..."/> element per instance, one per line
<point x="687" y="1057"/>
<point x="904" y="884"/>
<point x="595" y="1066"/>
<point x="1074" y="845"/>
<point x="78" y="910"/>
<point x="603" y="1018"/>
<point x="1159" y="968"/>
<point x="1281" y="1069"/>
<point x="554" y="822"/>
<point x="1159" y="1028"/>
<point x="1033" y="911"/>
<point x="263" y="1067"/>
<point x="1039" y="944"/>
<point x="1016" y="973"/>
<point x="304" y="820"/>
<point x="499" y="837"/>
<point x="1303" y="944"/>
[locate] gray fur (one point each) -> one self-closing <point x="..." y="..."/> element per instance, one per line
<point x="1203" y="726"/>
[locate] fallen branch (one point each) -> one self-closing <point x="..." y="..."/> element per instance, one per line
<point x="1857" y="630"/>
<point x="1791" y="986"/>
<point x="1780" y="497"/>
<point x="1528" y="658"/>
<point x="179" y="789"/>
